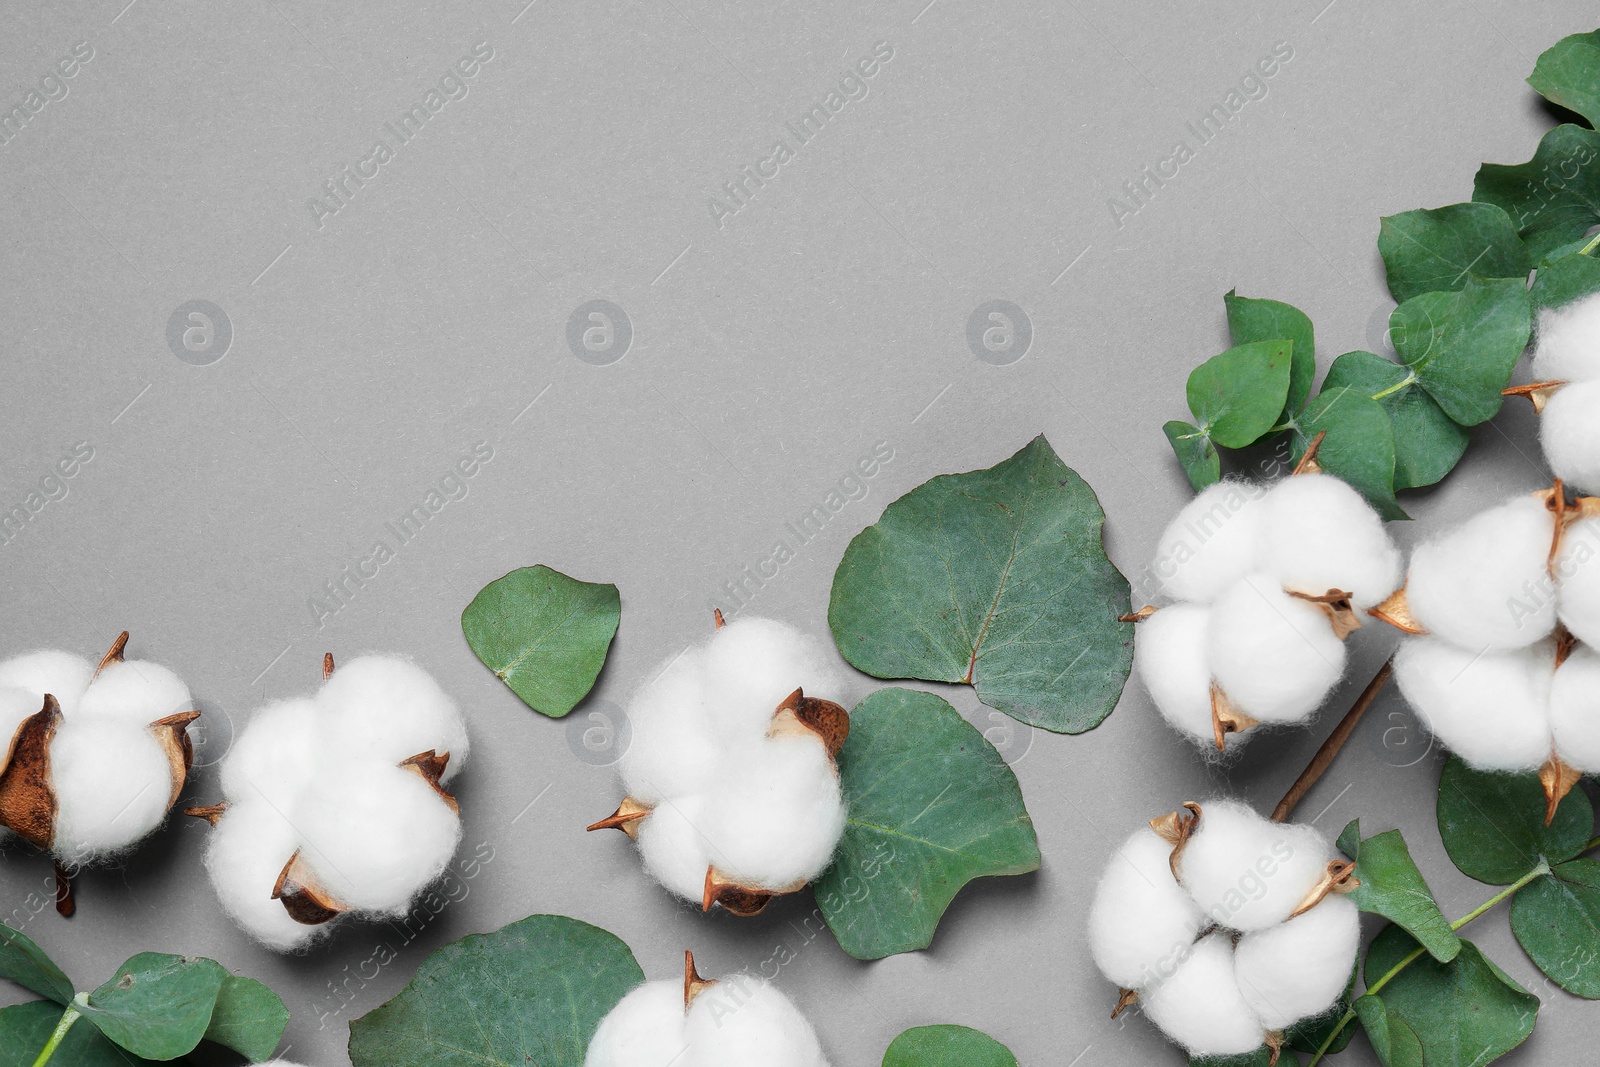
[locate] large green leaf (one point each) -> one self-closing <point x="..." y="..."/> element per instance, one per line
<point x="1391" y="886"/>
<point x="1463" y="1012"/>
<point x="157" y="1005"/>
<point x="932" y="806"/>
<point x="1568" y="74"/>
<point x="1251" y="319"/>
<point x="1261" y="1057"/>
<point x="26" y="1028"/>
<point x="1433" y="249"/>
<point x="1392" y="1037"/>
<point x="1237" y="396"/>
<point x="26" y="964"/>
<point x="1493" y="824"/>
<point x="997" y="578"/>
<point x="1563" y="280"/>
<point x="544" y="634"/>
<point x="248" y="1018"/>
<point x="1555" y="196"/>
<point x="529" y="994"/>
<point x="1196" y="453"/>
<point x="1359" y="446"/>
<point x="947" y="1046"/>
<point x="1463" y="346"/>
<point x="1557" y="921"/>
<point x="1427" y="442"/>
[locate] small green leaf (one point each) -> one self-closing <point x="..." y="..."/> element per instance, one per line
<point x="999" y="579"/>
<point x="544" y="634"/>
<point x="1557" y="921"/>
<point x="932" y="806"/>
<point x="1555" y="196"/>
<point x="1561" y="281"/>
<point x="1493" y="824"/>
<point x="1392" y="1037"/>
<point x="157" y="1005"/>
<point x="1427" y="442"/>
<point x="1391" y="886"/>
<point x="248" y="1018"/>
<point x="1195" y="452"/>
<point x="1463" y="346"/>
<point x="947" y="1046"/>
<point x="26" y="964"/>
<point x="1359" y="447"/>
<point x="25" y="1029"/>
<point x="1436" y="249"/>
<point x="530" y="993"/>
<point x="1261" y="1057"/>
<point x="1568" y="74"/>
<point x="1462" y="1012"/>
<point x="1238" y="396"/>
<point x="1251" y="319"/>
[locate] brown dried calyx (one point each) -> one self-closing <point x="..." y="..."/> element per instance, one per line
<point x="1538" y="393"/>
<point x="1339" y="878"/>
<point x="693" y="984"/>
<point x="1176" y="828"/>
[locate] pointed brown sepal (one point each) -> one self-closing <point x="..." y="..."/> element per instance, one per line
<point x="1339" y="877"/>
<point x="1335" y="603"/>
<point x="1557" y="777"/>
<point x="1140" y="615"/>
<point x="628" y="813"/>
<point x="737" y="899"/>
<point x="113" y="654"/>
<point x="1273" y="1039"/>
<point x="211" y="813"/>
<point x="1308" y="462"/>
<point x="66" y="897"/>
<point x="1396" y="611"/>
<point x="306" y="902"/>
<point x="1539" y="393"/>
<point x="327" y="666"/>
<point x="1227" y="719"/>
<point x="1175" y="828"/>
<point x="27" y="798"/>
<point x="1126" y="998"/>
<point x="1566" y="644"/>
<point x="693" y="984"/>
<point x="800" y="715"/>
<point x="716" y="618"/>
<point x="429" y="766"/>
<point x="173" y="733"/>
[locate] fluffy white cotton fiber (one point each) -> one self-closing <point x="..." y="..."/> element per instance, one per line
<point x="276" y="756"/>
<point x="1142" y="922"/>
<point x="1212" y="543"/>
<point x="1275" y="655"/>
<point x="1575" y="710"/>
<point x="1486" y="584"/>
<point x="389" y="709"/>
<point x="674" y="848"/>
<point x="1569" y="431"/>
<point x="1318" y="534"/>
<point x="136" y="690"/>
<point x="736" y="1022"/>
<point x="645" y="1029"/>
<point x="1578" y="581"/>
<point x="1567" y="344"/>
<point x="1490" y="708"/>
<point x="1298" y="969"/>
<point x="249" y="847"/>
<point x="1200" y="1006"/>
<point x="776" y="818"/>
<point x="1247" y="873"/>
<point x="61" y="674"/>
<point x="1170" y="655"/>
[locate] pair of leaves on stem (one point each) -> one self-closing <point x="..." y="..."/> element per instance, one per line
<point x="535" y="991"/>
<point x="157" y="1007"/>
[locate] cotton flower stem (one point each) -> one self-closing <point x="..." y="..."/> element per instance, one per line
<point x="1330" y="748"/>
<point x="68" y="1017"/>
<point x="66" y="899"/>
<point x="327" y="666"/>
<point x="1308" y="462"/>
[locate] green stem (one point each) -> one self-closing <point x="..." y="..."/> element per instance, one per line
<point x="1538" y="872"/>
<point x="1591" y="246"/>
<point x="1405" y="383"/>
<point x="68" y="1017"/>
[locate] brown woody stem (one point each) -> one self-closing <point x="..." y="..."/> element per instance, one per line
<point x="1308" y="462"/>
<point x="1330" y="748"/>
<point x="66" y="899"/>
<point x="327" y="666"/>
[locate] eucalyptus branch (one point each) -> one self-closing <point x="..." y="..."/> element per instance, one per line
<point x="68" y="1017"/>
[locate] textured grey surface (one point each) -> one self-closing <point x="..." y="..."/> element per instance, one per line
<point x="768" y="354"/>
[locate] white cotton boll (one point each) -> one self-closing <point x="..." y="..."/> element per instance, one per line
<point x="1212" y="542"/>
<point x="390" y="709"/>
<point x="1569" y="431"/>
<point x="277" y="754"/>
<point x="1486" y="584"/>
<point x="112" y="781"/>
<point x="1246" y="872"/>
<point x="776" y="818"/>
<point x="375" y="834"/>
<point x="61" y="674"/>
<point x="1318" y="534"/>
<point x="16" y="704"/>
<point x="1170" y="655"/>
<point x="673" y="845"/>
<point x="1274" y="655"/>
<point x="751" y="665"/>
<point x="745" y="1022"/>
<point x="1490" y="708"/>
<point x="247" y="851"/>
<point x="1575" y="710"/>
<point x="1141" y="917"/>
<point x="1298" y="969"/>
<point x="137" y="690"/>
<point x="1567" y="345"/>
<point x="645" y="1029"/>
<point x="1578" y="581"/>
<point x="673" y="749"/>
<point x="1200" y="1006"/>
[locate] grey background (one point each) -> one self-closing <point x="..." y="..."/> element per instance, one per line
<point x="768" y="355"/>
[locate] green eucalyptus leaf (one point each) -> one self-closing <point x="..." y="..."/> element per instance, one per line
<point x="25" y="1029"/>
<point x="1261" y="1057"/>
<point x="1427" y="442"/>
<point x="1555" y="196"/>
<point x="932" y="806"/>
<point x="1238" y="396"/>
<point x="544" y="634"/>
<point x="1463" y="346"/>
<point x="1462" y="1012"/>
<point x="1196" y="453"/>
<point x="1493" y="824"/>
<point x="26" y="964"/>
<point x="1568" y="74"/>
<point x="1252" y="319"/>
<point x="1557" y="921"/>
<point x="248" y="1018"/>
<point x="999" y="579"/>
<point x="1433" y="249"/>
<point x="1393" y="887"/>
<point x="530" y="993"/>
<point x="947" y="1046"/>
<point x="1359" y="446"/>
<point x="1392" y="1037"/>
<point x="1561" y="281"/>
<point x="157" y="1005"/>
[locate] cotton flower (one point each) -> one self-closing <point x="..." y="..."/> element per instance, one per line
<point x="732" y="791"/>
<point x="336" y="803"/>
<point x="1226" y="928"/>
<point x="1566" y="364"/>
